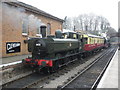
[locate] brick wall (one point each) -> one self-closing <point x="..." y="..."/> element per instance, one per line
<point x="12" y="31"/>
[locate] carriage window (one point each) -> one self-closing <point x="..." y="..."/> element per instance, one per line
<point x="89" y="40"/>
<point x="94" y="40"/>
<point x="97" y="40"/>
<point x="102" y="40"/>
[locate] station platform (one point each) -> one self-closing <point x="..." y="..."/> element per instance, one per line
<point x="110" y="77"/>
<point x="12" y="60"/>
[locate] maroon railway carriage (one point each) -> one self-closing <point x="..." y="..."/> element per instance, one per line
<point x="93" y="42"/>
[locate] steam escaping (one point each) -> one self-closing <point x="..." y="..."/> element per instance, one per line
<point x="12" y="16"/>
<point x="34" y="22"/>
<point x="17" y="17"/>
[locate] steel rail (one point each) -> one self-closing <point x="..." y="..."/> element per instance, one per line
<point x="36" y="82"/>
<point x="42" y="79"/>
<point x="94" y="86"/>
<point x="83" y="71"/>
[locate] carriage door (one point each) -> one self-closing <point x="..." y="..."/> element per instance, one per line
<point x="43" y="31"/>
<point x="79" y="42"/>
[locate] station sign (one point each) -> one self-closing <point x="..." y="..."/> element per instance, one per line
<point x="13" y="47"/>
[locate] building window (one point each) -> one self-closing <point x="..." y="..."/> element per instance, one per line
<point x="25" y="27"/>
<point x="39" y="32"/>
<point x="48" y="29"/>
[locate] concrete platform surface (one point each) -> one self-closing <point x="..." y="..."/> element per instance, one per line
<point x="110" y="77"/>
<point x="13" y="59"/>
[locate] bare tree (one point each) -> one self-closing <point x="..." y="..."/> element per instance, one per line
<point x="68" y="23"/>
<point x="111" y="31"/>
<point x="65" y="23"/>
<point x="80" y="20"/>
<point x="88" y="22"/>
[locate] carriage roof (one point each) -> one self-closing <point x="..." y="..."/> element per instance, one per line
<point x="93" y="36"/>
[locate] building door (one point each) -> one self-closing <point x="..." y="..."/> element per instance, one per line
<point x="43" y="31"/>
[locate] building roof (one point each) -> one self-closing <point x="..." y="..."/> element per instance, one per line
<point x="33" y="9"/>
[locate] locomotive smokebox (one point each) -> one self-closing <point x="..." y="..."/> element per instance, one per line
<point x="37" y="46"/>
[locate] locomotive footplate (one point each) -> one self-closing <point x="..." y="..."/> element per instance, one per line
<point x="52" y="63"/>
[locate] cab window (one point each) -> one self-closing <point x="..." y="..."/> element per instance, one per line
<point x="74" y="36"/>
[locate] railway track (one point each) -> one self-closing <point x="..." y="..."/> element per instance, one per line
<point x="40" y="79"/>
<point x="90" y="76"/>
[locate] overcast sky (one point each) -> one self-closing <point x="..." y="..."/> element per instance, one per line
<point x="70" y="8"/>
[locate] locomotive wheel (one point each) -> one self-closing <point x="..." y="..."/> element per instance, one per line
<point x="79" y="57"/>
<point x="67" y="59"/>
<point x="52" y="70"/>
<point x="37" y="70"/>
<point x="55" y="67"/>
<point x="84" y="55"/>
<point x="58" y="56"/>
<point x="46" y="70"/>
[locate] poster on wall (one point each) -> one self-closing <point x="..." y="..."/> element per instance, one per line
<point x="13" y="47"/>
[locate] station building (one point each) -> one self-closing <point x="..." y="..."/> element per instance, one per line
<point x="20" y="22"/>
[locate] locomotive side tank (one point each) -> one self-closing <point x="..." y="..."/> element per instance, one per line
<point x="49" y="47"/>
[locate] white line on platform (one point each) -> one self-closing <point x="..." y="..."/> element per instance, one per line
<point x="8" y="64"/>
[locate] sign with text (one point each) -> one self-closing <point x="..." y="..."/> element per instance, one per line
<point x="13" y="47"/>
